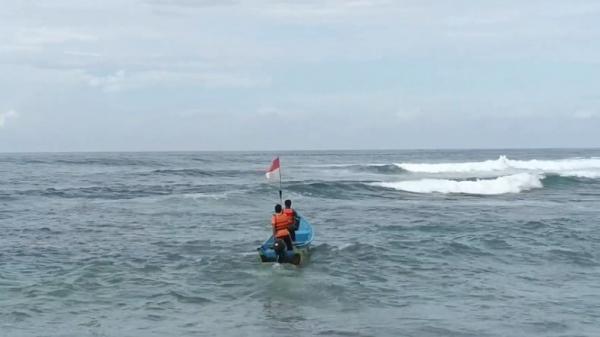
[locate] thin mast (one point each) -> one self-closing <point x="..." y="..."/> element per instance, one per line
<point x="280" y="193"/>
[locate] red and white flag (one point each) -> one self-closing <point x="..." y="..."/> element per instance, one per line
<point x="273" y="170"/>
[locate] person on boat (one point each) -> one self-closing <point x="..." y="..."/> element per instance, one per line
<point x="293" y="218"/>
<point x="281" y="224"/>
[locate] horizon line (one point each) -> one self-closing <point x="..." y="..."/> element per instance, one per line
<point x="308" y="150"/>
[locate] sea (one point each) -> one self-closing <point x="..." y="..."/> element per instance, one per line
<point x="407" y="243"/>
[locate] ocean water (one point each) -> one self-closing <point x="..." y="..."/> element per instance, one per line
<point x="408" y="243"/>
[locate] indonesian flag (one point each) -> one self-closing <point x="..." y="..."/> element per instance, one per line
<point x="273" y="170"/>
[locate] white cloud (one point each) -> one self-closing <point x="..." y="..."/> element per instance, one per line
<point x="109" y="83"/>
<point x="586" y="114"/>
<point x="4" y="116"/>
<point x="45" y="35"/>
<point x="81" y="53"/>
<point x="368" y="63"/>
<point x="37" y="38"/>
<point x="122" y="80"/>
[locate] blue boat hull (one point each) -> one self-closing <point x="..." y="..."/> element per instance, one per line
<point x="304" y="237"/>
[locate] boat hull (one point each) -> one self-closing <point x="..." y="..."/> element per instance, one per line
<point x="297" y="256"/>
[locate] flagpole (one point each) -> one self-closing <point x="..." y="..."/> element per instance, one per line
<point x="280" y="193"/>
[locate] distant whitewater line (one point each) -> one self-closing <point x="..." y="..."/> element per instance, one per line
<point x="506" y="184"/>
<point x="583" y="167"/>
<point x="573" y="167"/>
<point x="581" y="174"/>
<point x="368" y="168"/>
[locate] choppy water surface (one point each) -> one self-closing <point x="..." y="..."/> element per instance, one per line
<point x="408" y="243"/>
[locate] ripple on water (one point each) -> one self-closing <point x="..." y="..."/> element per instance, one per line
<point x="572" y="256"/>
<point x="188" y="298"/>
<point x="342" y="333"/>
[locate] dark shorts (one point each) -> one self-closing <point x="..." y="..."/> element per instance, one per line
<point x="288" y="242"/>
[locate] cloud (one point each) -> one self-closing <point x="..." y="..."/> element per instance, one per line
<point x="586" y="114"/>
<point x="356" y="64"/>
<point x="325" y="11"/>
<point x="5" y="116"/>
<point x="45" y="35"/>
<point x="123" y="80"/>
<point x="81" y="53"/>
<point x="108" y="83"/>
<point x="35" y="39"/>
<point x="192" y="3"/>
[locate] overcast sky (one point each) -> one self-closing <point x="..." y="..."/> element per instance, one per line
<point x="261" y="75"/>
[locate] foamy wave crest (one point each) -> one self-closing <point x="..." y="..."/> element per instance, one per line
<point x="506" y="184"/>
<point x="488" y="165"/>
<point x="581" y="174"/>
<point x="503" y="163"/>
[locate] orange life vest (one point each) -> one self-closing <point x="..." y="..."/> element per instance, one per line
<point x="290" y="213"/>
<point x="281" y="223"/>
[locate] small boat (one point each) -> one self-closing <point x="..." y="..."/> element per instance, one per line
<point x="304" y="237"/>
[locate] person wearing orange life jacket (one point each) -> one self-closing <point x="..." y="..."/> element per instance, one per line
<point x="293" y="218"/>
<point x="281" y="224"/>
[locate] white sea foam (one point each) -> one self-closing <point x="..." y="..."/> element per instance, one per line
<point x="506" y="184"/>
<point x="215" y="196"/>
<point x="581" y="174"/>
<point x="503" y="164"/>
<point x="488" y="165"/>
<point x="346" y="165"/>
<point x="344" y="246"/>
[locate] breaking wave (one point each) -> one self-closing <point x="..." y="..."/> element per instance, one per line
<point x="581" y="174"/>
<point x="368" y="168"/>
<point x="378" y="168"/>
<point x="506" y="184"/>
<point x="586" y="167"/>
